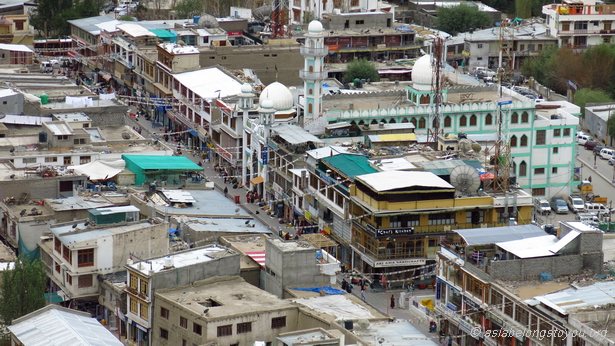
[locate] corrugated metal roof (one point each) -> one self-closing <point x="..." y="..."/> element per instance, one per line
<point x="24" y="119"/>
<point x="59" y="128"/>
<point x="15" y="47"/>
<point x="393" y="137"/>
<point x="53" y="325"/>
<point x="294" y="134"/>
<point x="531" y="247"/>
<point x="178" y="196"/>
<point x="210" y="83"/>
<point x="162" y="162"/>
<point x="492" y="235"/>
<point x="574" y="299"/>
<point x="350" y="165"/>
<point x="393" y="180"/>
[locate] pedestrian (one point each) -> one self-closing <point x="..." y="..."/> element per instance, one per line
<point x="392" y="301"/>
<point x="225" y="191"/>
<point x="363" y="293"/>
<point x="344" y="284"/>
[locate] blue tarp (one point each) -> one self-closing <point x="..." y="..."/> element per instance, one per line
<point x="326" y="289"/>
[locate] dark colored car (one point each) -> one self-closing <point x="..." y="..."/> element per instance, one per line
<point x="597" y="149"/>
<point x="590" y="145"/>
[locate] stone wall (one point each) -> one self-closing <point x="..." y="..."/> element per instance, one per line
<point x="530" y="268"/>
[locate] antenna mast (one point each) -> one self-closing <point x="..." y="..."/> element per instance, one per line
<point x="437" y="57"/>
<point x="279" y="10"/>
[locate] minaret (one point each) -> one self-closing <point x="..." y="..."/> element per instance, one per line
<point x="313" y="73"/>
<point x="266" y="118"/>
<point x="246" y="102"/>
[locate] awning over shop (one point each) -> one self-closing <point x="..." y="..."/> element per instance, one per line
<point x="100" y="170"/>
<point x="257" y="180"/>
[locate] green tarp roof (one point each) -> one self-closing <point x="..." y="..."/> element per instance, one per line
<point x="163" y="33"/>
<point x="177" y="163"/>
<point x="350" y="165"/>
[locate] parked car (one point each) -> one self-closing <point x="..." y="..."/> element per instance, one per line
<point x="596" y="209"/>
<point x="597" y="149"/>
<point x="559" y="206"/>
<point x="607" y="153"/>
<point x="611" y="161"/>
<point x="576" y="204"/>
<point x="590" y="145"/>
<point x="542" y="206"/>
<point x="583" y="138"/>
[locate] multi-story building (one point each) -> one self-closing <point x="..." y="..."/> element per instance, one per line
<point x="541" y="136"/>
<point x="425" y="13"/>
<point x="226" y="310"/>
<point x="145" y="277"/>
<point x="398" y="218"/>
<point x="303" y="11"/>
<point x="486" y="278"/>
<point x="580" y="24"/>
<point x="76" y="253"/>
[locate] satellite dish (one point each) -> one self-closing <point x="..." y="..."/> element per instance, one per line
<point x="465" y="179"/>
<point x="465" y="145"/>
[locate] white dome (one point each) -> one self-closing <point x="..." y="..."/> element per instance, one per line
<point x="422" y="73"/>
<point x="279" y="94"/>
<point x="315" y="27"/>
<point x="246" y="88"/>
<point x="266" y="104"/>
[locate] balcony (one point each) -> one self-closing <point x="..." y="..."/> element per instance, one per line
<point x="394" y="232"/>
<point x="318" y="75"/>
<point x="318" y="52"/>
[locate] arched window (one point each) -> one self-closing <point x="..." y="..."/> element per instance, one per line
<point x="435" y="123"/>
<point x="422" y="123"/>
<point x="374" y="122"/>
<point x="514" y="118"/>
<point x="463" y="121"/>
<point x="361" y="122"/>
<point x="524" y="141"/>
<point x="447" y="121"/>
<point x="473" y="120"/>
<point x="404" y="120"/>
<point x="413" y="120"/>
<point x="489" y="119"/>
<point x="523" y="169"/>
<point x="392" y="121"/>
<point x="525" y="117"/>
<point x="513" y="141"/>
<point x="514" y="167"/>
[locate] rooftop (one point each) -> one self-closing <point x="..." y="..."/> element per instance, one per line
<point x="135" y="30"/>
<point x="327" y="151"/>
<point x="541" y="246"/>
<point x="78" y="203"/>
<point x="72" y="117"/>
<point x="175" y="48"/>
<point x="55" y="325"/>
<point x="394" y="180"/>
<point x="575" y="299"/>
<point x="15" y="47"/>
<point x="207" y="203"/>
<point x="294" y="134"/>
<point x="210" y="83"/>
<point x="181" y="259"/>
<point x="398" y="332"/>
<point x="393" y="164"/>
<point x="227" y="225"/>
<point x="230" y="295"/>
<point x="58" y="128"/>
<point x="492" y="235"/>
<point x="340" y="307"/>
<point x="291" y="245"/>
<point x="73" y="233"/>
<point x="159" y="162"/>
<point x="350" y="165"/>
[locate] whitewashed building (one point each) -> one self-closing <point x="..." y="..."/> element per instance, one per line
<point x="580" y="24"/>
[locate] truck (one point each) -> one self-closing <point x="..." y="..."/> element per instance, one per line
<point x="586" y="190"/>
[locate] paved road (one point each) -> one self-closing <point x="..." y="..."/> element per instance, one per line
<point x="602" y="175"/>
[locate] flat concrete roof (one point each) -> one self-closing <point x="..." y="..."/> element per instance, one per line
<point x="232" y="293"/>
<point x="181" y="259"/>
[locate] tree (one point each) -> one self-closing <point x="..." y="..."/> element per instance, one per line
<point x="189" y="8"/>
<point x="462" y="18"/>
<point x="586" y="95"/>
<point x="50" y="16"/>
<point x="22" y="290"/>
<point x="361" y="69"/>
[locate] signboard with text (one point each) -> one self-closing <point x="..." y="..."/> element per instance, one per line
<point x="393" y="232"/>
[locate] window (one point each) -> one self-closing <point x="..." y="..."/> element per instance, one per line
<point x="133" y="305"/>
<point x="422" y="123"/>
<point x="524" y="141"/>
<point x="565" y="26"/>
<point x="523" y="169"/>
<point x="85" y="258"/>
<point x="447" y="121"/>
<point x="197" y="328"/>
<point x="183" y="322"/>
<point x="525" y="117"/>
<point x="539" y="171"/>
<point x="278" y="322"/>
<point x="513" y="141"/>
<point x="66" y="253"/>
<point x="144" y="312"/>
<point x="463" y="121"/>
<point x="184" y="342"/>
<point x="538" y="191"/>
<point x="29" y="160"/>
<point x="245" y="327"/>
<point x="489" y="119"/>
<point x="557" y="133"/>
<point x="554" y="170"/>
<point x="225" y="330"/>
<point x="360" y="22"/>
<point x="57" y="267"/>
<point x="57" y="245"/>
<point x="164" y="334"/>
<point x="566" y="132"/>
<point x="541" y="137"/>
<point x="514" y="118"/>
<point x="555" y="150"/>
<point x="134" y="282"/>
<point x="85" y="159"/>
<point x="473" y="120"/>
<point x="164" y="313"/>
<point x="143" y="287"/>
<point x="479" y="45"/>
<point x="51" y="159"/>
<point x="441" y="219"/>
<point x="84" y="281"/>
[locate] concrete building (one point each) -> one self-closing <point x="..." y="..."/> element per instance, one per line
<point x="315" y="336"/>
<point x="75" y="253"/>
<point x="596" y="119"/>
<point x="425" y="13"/>
<point x="302" y="11"/>
<point x="253" y="256"/>
<point x="11" y="102"/>
<point x="580" y="24"/>
<point x="291" y="264"/>
<point x="15" y="54"/>
<point x="53" y="323"/>
<point x="485" y="277"/>
<point x="223" y="309"/>
<point x="112" y="303"/>
<point x="146" y="277"/>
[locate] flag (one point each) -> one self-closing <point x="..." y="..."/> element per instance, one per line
<point x="572" y="85"/>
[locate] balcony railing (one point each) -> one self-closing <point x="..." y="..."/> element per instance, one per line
<point x="379" y="232"/>
<point x="313" y="51"/>
<point x="318" y="75"/>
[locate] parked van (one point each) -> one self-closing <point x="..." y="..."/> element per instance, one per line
<point x="607" y="153"/>
<point x="588" y="219"/>
<point x="582" y="138"/>
<point x="596" y="208"/>
<point x="576" y="204"/>
<point x="542" y="206"/>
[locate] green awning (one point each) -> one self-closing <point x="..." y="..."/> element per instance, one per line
<point x="160" y="162"/>
<point x="350" y="165"/>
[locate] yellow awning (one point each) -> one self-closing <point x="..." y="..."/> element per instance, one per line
<point x="257" y="180"/>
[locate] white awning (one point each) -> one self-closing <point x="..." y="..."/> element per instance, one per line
<point x="100" y="170"/>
